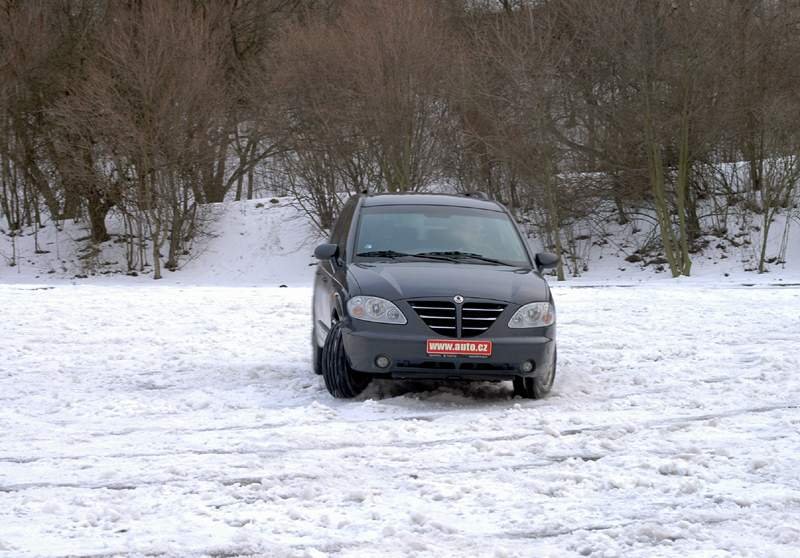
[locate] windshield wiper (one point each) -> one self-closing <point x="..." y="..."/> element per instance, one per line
<point x="383" y="254"/>
<point x="450" y="256"/>
<point x="392" y="254"/>
<point x="455" y="255"/>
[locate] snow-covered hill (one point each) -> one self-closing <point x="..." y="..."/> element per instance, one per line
<point x="270" y="242"/>
<point x="631" y="253"/>
<point x="265" y="242"/>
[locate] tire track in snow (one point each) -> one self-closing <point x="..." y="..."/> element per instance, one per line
<point x="654" y="424"/>
<point x="647" y="425"/>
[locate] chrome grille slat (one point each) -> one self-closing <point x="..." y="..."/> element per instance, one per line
<point x="443" y="316"/>
<point x="474" y="318"/>
<point x="439" y="315"/>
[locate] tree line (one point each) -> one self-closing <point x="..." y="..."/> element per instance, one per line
<point x="676" y="113"/>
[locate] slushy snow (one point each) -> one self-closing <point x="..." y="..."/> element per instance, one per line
<point x="164" y="420"/>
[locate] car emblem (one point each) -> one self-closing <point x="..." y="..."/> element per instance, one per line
<point x="458" y="299"/>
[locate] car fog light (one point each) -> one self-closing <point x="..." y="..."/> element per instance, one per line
<point x="382" y="361"/>
<point x="527" y="366"/>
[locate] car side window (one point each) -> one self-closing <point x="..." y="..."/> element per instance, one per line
<point x="342" y="227"/>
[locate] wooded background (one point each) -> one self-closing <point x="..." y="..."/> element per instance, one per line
<point x="680" y="113"/>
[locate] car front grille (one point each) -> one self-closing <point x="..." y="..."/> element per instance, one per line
<point x="457" y="320"/>
<point x="477" y="317"/>
<point x="438" y="315"/>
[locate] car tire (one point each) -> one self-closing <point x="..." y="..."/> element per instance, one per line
<point x="342" y="381"/>
<point x="535" y="387"/>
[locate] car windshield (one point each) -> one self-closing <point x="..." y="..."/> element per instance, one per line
<point x="439" y="233"/>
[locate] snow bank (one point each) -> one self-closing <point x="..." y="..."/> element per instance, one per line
<point x="253" y="243"/>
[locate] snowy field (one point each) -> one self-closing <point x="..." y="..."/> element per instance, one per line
<point x="164" y="420"/>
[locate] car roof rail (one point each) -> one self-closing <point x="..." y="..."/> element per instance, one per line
<point x="476" y="195"/>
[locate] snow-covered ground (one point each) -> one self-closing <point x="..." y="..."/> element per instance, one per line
<point x="165" y="420"/>
<point x="181" y="417"/>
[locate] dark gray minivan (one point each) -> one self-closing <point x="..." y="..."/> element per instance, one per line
<point x="429" y="286"/>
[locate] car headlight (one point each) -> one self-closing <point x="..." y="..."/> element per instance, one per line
<point x="374" y="309"/>
<point x="535" y="314"/>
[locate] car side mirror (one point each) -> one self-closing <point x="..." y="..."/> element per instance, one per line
<point x="546" y="260"/>
<point x="326" y="251"/>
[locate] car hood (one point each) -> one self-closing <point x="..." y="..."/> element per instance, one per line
<point x="402" y="280"/>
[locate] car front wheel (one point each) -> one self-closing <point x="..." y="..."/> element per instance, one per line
<point x="341" y="380"/>
<point x="536" y="387"/>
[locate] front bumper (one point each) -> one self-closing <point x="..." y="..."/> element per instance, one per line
<point x="406" y="350"/>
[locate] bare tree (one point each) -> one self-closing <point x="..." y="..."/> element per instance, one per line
<point x="569" y="111"/>
<point x="376" y="75"/>
<point x="152" y="97"/>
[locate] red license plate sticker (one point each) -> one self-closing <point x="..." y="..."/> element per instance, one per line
<point x="458" y="347"/>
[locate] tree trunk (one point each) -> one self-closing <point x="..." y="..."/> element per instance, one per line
<point x="682" y="189"/>
<point x="663" y="213"/>
<point x="553" y="219"/>
<point x="764" y="238"/>
<point x="98" y="209"/>
<point x="156" y="239"/>
<point x="250" y="179"/>
<point x="662" y="207"/>
<point x="239" y="184"/>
